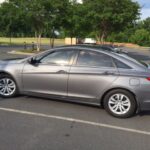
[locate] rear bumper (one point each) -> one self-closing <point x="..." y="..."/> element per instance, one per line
<point x="143" y="95"/>
<point x="143" y="98"/>
<point x="145" y="105"/>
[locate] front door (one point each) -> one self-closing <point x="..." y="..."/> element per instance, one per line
<point x="49" y="75"/>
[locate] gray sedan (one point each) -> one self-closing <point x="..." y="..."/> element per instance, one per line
<point x="80" y="74"/>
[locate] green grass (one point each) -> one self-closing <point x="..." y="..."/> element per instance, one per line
<point x="20" y="41"/>
<point x="29" y="50"/>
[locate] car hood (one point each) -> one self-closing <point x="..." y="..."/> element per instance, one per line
<point x="11" y="61"/>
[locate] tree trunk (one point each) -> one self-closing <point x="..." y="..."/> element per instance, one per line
<point x="104" y="31"/>
<point x="10" y="39"/>
<point x="71" y="40"/>
<point x="38" y="39"/>
<point x="52" y="39"/>
<point x="37" y="42"/>
<point x="52" y="42"/>
<point x="102" y="37"/>
<point x="97" y="38"/>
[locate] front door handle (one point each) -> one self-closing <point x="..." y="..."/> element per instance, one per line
<point x="61" y="72"/>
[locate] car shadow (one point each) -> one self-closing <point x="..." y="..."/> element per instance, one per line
<point x="65" y="101"/>
<point x="140" y="114"/>
<point x="144" y="113"/>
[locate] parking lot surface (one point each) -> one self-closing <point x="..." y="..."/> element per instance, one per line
<point x="30" y="123"/>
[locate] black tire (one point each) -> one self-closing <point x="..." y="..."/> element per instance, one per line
<point x="131" y="109"/>
<point x="15" y="92"/>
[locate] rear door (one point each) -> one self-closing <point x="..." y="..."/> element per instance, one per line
<point x="90" y="75"/>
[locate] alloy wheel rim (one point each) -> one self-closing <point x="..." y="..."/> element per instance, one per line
<point x="7" y="86"/>
<point x="119" y="104"/>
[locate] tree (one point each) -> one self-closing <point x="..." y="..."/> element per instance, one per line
<point x="143" y="24"/>
<point x="141" y="37"/>
<point x="107" y="16"/>
<point x="36" y="14"/>
<point x="10" y="20"/>
<point x="57" y="19"/>
<point x="112" y="20"/>
<point x="39" y="15"/>
<point x="75" y="24"/>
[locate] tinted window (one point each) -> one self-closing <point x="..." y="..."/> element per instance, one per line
<point x="87" y="58"/>
<point x="58" y="57"/>
<point x="120" y="64"/>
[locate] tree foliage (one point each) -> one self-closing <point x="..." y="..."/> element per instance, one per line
<point x="141" y="37"/>
<point x="35" y="15"/>
<point x="112" y="20"/>
<point x="138" y="33"/>
<point x="111" y="15"/>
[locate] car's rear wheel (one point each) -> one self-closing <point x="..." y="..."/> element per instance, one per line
<point x="8" y="87"/>
<point x="120" y="103"/>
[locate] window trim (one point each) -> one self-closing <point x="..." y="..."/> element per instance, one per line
<point x="70" y="62"/>
<point x="130" y="68"/>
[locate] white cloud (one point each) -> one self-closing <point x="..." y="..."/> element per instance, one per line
<point x="79" y="1"/>
<point x="1" y="1"/>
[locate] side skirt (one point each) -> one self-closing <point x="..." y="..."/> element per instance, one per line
<point x="62" y="98"/>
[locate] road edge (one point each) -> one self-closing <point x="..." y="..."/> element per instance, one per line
<point x="20" y="53"/>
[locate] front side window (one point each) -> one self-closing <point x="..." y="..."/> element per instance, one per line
<point x="88" y="58"/>
<point x="58" y="57"/>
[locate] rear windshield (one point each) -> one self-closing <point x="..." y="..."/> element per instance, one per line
<point x="141" y="63"/>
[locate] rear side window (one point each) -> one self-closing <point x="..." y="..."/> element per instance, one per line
<point x="121" y="65"/>
<point x="87" y="58"/>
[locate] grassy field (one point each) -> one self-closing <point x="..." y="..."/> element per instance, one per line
<point x="20" y="41"/>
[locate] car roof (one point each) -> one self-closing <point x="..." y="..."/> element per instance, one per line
<point x="90" y="46"/>
<point x="97" y="48"/>
<point x="85" y="45"/>
<point x="112" y="53"/>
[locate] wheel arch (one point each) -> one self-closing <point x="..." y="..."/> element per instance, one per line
<point x="117" y="88"/>
<point x="6" y="73"/>
<point x="9" y="74"/>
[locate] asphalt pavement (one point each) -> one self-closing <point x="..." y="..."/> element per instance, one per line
<point x="31" y="123"/>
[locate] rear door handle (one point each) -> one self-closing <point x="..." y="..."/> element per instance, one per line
<point x="61" y="72"/>
<point x="108" y="73"/>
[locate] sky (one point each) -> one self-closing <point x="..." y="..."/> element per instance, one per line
<point x="145" y="4"/>
<point x="1" y="1"/>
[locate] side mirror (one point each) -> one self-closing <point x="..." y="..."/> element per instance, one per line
<point x="32" y="61"/>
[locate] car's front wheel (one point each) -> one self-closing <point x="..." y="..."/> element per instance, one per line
<point x="8" y="87"/>
<point x="120" y="103"/>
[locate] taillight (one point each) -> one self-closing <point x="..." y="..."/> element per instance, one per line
<point x="148" y="78"/>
